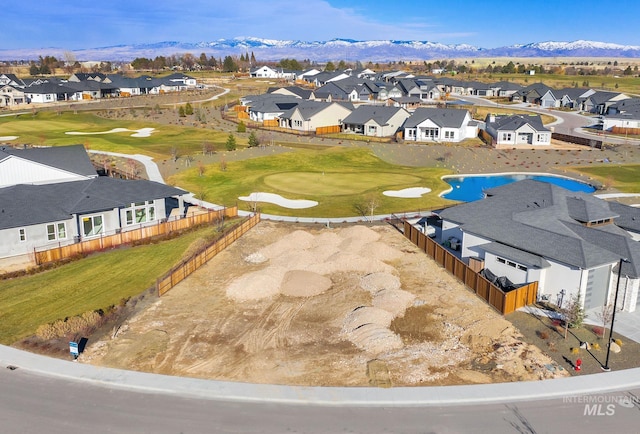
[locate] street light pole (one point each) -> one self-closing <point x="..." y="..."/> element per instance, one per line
<point x="606" y="367"/>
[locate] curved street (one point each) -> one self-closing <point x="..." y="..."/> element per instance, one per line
<point x="41" y="394"/>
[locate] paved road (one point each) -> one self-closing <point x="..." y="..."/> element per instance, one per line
<point x="31" y="403"/>
<point x="567" y="122"/>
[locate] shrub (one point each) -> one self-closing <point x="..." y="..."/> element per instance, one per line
<point x="575" y="350"/>
<point x="595" y="346"/>
<point x="598" y="330"/>
<point x="542" y="334"/>
<point x="618" y="341"/>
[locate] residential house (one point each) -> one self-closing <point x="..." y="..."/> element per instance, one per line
<point x="387" y="90"/>
<point x="517" y="130"/>
<point x="569" y="242"/>
<point x="44" y="165"/>
<point x="333" y="91"/>
<point x="11" y="80"/>
<point x="11" y="95"/>
<point x="531" y="94"/>
<point x="572" y="97"/>
<point x="182" y="80"/>
<point x="51" y="215"/>
<point x="52" y="197"/>
<point x="294" y="91"/>
<point x="505" y="88"/>
<point x="628" y="121"/>
<point x="439" y="125"/>
<point x="600" y="101"/>
<point x="263" y="72"/>
<point x="308" y="116"/>
<point x="270" y="107"/>
<point x="409" y="103"/>
<point x="48" y="92"/>
<point x="375" y="121"/>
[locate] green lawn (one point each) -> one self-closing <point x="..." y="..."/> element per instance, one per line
<point x="48" y="128"/>
<point x="337" y="178"/>
<point x="96" y="282"/>
<point x="625" y="178"/>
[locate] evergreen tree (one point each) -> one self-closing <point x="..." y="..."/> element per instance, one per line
<point x="188" y="109"/>
<point x="253" y="140"/>
<point x="231" y="142"/>
<point x="242" y="128"/>
<point x="181" y="111"/>
<point x="229" y="65"/>
<point x="330" y="67"/>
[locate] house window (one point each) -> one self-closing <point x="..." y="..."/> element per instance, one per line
<point x="92" y="226"/>
<point x="431" y="133"/>
<point x="372" y="129"/>
<point x="56" y="231"/>
<point x="140" y="212"/>
<point x="511" y="263"/>
<point x="506" y="137"/>
<point x="22" y="234"/>
<point x="448" y="134"/>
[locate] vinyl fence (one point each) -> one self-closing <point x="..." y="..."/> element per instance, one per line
<point x="503" y="302"/>
<point x="128" y="237"/>
<point x="180" y="272"/>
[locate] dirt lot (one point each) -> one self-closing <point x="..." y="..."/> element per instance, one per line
<point x="307" y="305"/>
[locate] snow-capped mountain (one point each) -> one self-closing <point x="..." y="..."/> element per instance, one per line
<point x="335" y="49"/>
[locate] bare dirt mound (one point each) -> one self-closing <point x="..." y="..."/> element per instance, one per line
<point x="309" y="305"/>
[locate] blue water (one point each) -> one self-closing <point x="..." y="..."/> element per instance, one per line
<point x="470" y="188"/>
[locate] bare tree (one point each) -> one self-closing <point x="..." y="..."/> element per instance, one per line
<point x="573" y="314"/>
<point x="605" y="315"/>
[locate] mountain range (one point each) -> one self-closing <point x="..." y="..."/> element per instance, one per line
<point x="335" y="49"/>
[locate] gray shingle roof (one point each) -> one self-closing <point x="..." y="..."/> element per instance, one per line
<point x="514" y="122"/>
<point x="444" y="118"/>
<point x="364" y="113"/>
<point x="535" y="217"/>
<point x="72" y="158"/>
<point x="24" y="205"/>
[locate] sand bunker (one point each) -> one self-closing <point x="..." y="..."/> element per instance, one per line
<point x="276" y="199"/>
<point x="408" y="193"/>
<point x="142" y="132"/>
<point x="7" y="138"/>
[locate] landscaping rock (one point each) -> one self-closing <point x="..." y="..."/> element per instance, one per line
<point x="615" y="348"/>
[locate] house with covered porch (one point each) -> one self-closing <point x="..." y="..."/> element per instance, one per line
<point x="517" y="130"/>
<point x="569" y="242"/>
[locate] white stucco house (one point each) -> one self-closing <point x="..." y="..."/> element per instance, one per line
<point x="310" y="115"/>
<point x="517" y="131"/>
<point x="376" y="121"/>
<point x="569" y="242"/>
<point x="428" y="124"/>
<point x="55" y="200"/>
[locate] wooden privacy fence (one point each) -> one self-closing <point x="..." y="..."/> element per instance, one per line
<point x="127" y="237"/>
<point x="331" y="129"/>
<point x="503" y="302"/>
<point x="180" y="272"/>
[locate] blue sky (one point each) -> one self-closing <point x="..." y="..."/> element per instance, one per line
<point x="74" y="25"/>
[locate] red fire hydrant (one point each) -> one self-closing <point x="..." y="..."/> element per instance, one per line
<point x="578" y="364"/>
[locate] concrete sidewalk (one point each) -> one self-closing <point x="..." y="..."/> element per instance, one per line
<point x="327" y="396"/>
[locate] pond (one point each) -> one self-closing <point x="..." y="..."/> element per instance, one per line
<point x="471" y="187"/>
